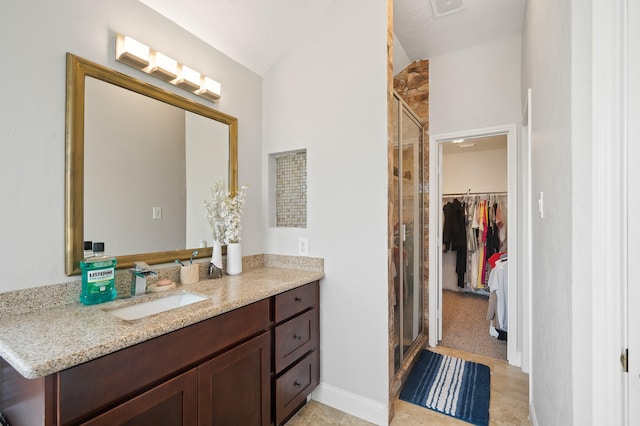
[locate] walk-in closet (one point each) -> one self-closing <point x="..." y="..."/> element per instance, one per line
<point x="475" y="241"/>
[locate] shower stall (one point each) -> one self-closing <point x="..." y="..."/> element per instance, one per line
<point x="406" y="194"/>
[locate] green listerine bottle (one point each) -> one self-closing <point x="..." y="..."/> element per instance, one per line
<point x="98" y="277"/>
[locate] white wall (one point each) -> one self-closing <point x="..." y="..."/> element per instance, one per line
<point x="476" y="87"/>
<point x="400" y="57"/>
<point x="34" y="37"/>
<point x="319" y="97"/>
<point x="547" y="70"/>
<point x="480" y="171"/>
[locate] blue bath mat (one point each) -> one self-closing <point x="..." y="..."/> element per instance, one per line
<point x="450" y="386"/>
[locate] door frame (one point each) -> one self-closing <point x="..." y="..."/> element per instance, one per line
<point x="514" y="351"/>
<point x="609" y="188"/>
<point x="632" y="103"/>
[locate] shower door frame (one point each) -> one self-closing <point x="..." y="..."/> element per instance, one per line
<point x="419" y="231"/>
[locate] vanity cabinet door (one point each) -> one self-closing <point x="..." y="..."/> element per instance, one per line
<point x="173" y="403"/>
<point x="234" y="389"/>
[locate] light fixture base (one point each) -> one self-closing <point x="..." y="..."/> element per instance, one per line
<point x="162" y="74"/>
<point x="212" y="96"/>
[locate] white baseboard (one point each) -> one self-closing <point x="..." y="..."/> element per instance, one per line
<point x="516" y="359"/>
<point x="355" y="405"/>
<point x="532" y="415"/>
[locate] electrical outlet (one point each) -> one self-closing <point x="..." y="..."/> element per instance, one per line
<point x="303" y="246"/>
<point x="157" y="213"/>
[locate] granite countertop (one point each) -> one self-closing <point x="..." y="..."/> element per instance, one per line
<point x="44" y="341"/>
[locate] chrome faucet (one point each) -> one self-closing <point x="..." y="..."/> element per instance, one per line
<point x="139" y="275"/>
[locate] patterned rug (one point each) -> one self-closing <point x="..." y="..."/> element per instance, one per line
<point x="450" y="386"/>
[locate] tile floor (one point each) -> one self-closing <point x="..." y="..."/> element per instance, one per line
<point x="509" y="404"/>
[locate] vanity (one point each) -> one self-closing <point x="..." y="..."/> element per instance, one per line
<point x="246" y="355"/>
<point x="244" y="352"/>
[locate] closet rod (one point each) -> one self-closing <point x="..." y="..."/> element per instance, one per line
<point x="461" y="194"/>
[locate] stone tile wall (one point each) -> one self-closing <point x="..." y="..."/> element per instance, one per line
<point x="412" y="84"/>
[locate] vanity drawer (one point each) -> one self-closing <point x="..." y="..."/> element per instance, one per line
<point x="293" y="387"/>
<point x="295" y="338"/>
<point x="93" y="386"/>
<point x="295" y="301"/>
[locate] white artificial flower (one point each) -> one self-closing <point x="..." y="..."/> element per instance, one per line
<point x="224" y="213"/>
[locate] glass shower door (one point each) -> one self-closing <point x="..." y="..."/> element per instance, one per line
<point x="408" y="232"/>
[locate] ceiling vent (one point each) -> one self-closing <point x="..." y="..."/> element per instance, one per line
<point x="446" y="7"/>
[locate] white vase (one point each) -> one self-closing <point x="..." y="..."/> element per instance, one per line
<point x="234" y="258"/>
<point x="215" y="266"/>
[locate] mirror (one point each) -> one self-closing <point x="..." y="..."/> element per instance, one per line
<point x="132" y="181"/>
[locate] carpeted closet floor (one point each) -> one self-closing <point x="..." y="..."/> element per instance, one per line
<point x="465" y="327"/>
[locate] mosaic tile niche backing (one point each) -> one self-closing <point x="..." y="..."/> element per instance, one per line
<point x="291" y="190"/>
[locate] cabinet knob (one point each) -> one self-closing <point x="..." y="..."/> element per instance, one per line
<point x="295" y="336"/>
<point x="298" y="299"/>
<point x="296" y="384"/>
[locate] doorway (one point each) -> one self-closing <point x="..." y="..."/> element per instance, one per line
<point x="476" y="240"/>
<point x="437" y="148"/>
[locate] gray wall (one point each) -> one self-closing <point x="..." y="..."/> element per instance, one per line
<point x="328" y="95"/>
<point x="557" y="68"/>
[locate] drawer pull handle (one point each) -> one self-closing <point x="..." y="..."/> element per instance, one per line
<point x="298" y="299"/>
<point x="295" y="336"/>
<point x="296" y="384"/>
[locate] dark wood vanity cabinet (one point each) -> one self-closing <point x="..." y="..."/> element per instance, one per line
<point x="230" y="389"/>
<point x="296" y="349"/>
<point x="112" y="381"/>
<point x="255" y="365"/>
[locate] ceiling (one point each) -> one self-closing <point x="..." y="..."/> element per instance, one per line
<point x="478" y="21"/>
<point x="256" y="33"/>
<point x="484" y="143"/>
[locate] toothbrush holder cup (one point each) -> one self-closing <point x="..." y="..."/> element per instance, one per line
<point x="190" y="274"/>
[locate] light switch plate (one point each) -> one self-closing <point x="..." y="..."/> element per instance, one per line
<point x="541" y="205"/>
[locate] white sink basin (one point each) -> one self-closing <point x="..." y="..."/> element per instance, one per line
<point x="152" y="307"/>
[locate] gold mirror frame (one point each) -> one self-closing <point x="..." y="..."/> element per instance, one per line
<point x="77" y="69"/>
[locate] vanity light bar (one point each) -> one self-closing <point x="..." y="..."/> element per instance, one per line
<point x="131" y="52"/>
<point x="163" y="67"/>
<point x="210" y="89"/>
<point x="189" y="79"/>
<point x="138" y="55"/>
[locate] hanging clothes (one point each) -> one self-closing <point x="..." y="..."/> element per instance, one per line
<point x="455" y="236"/>
<point x="499" y="284"/>
<point x="483" y="223"/>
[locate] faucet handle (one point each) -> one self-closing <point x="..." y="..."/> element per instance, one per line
<point x="140" y="266"/>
